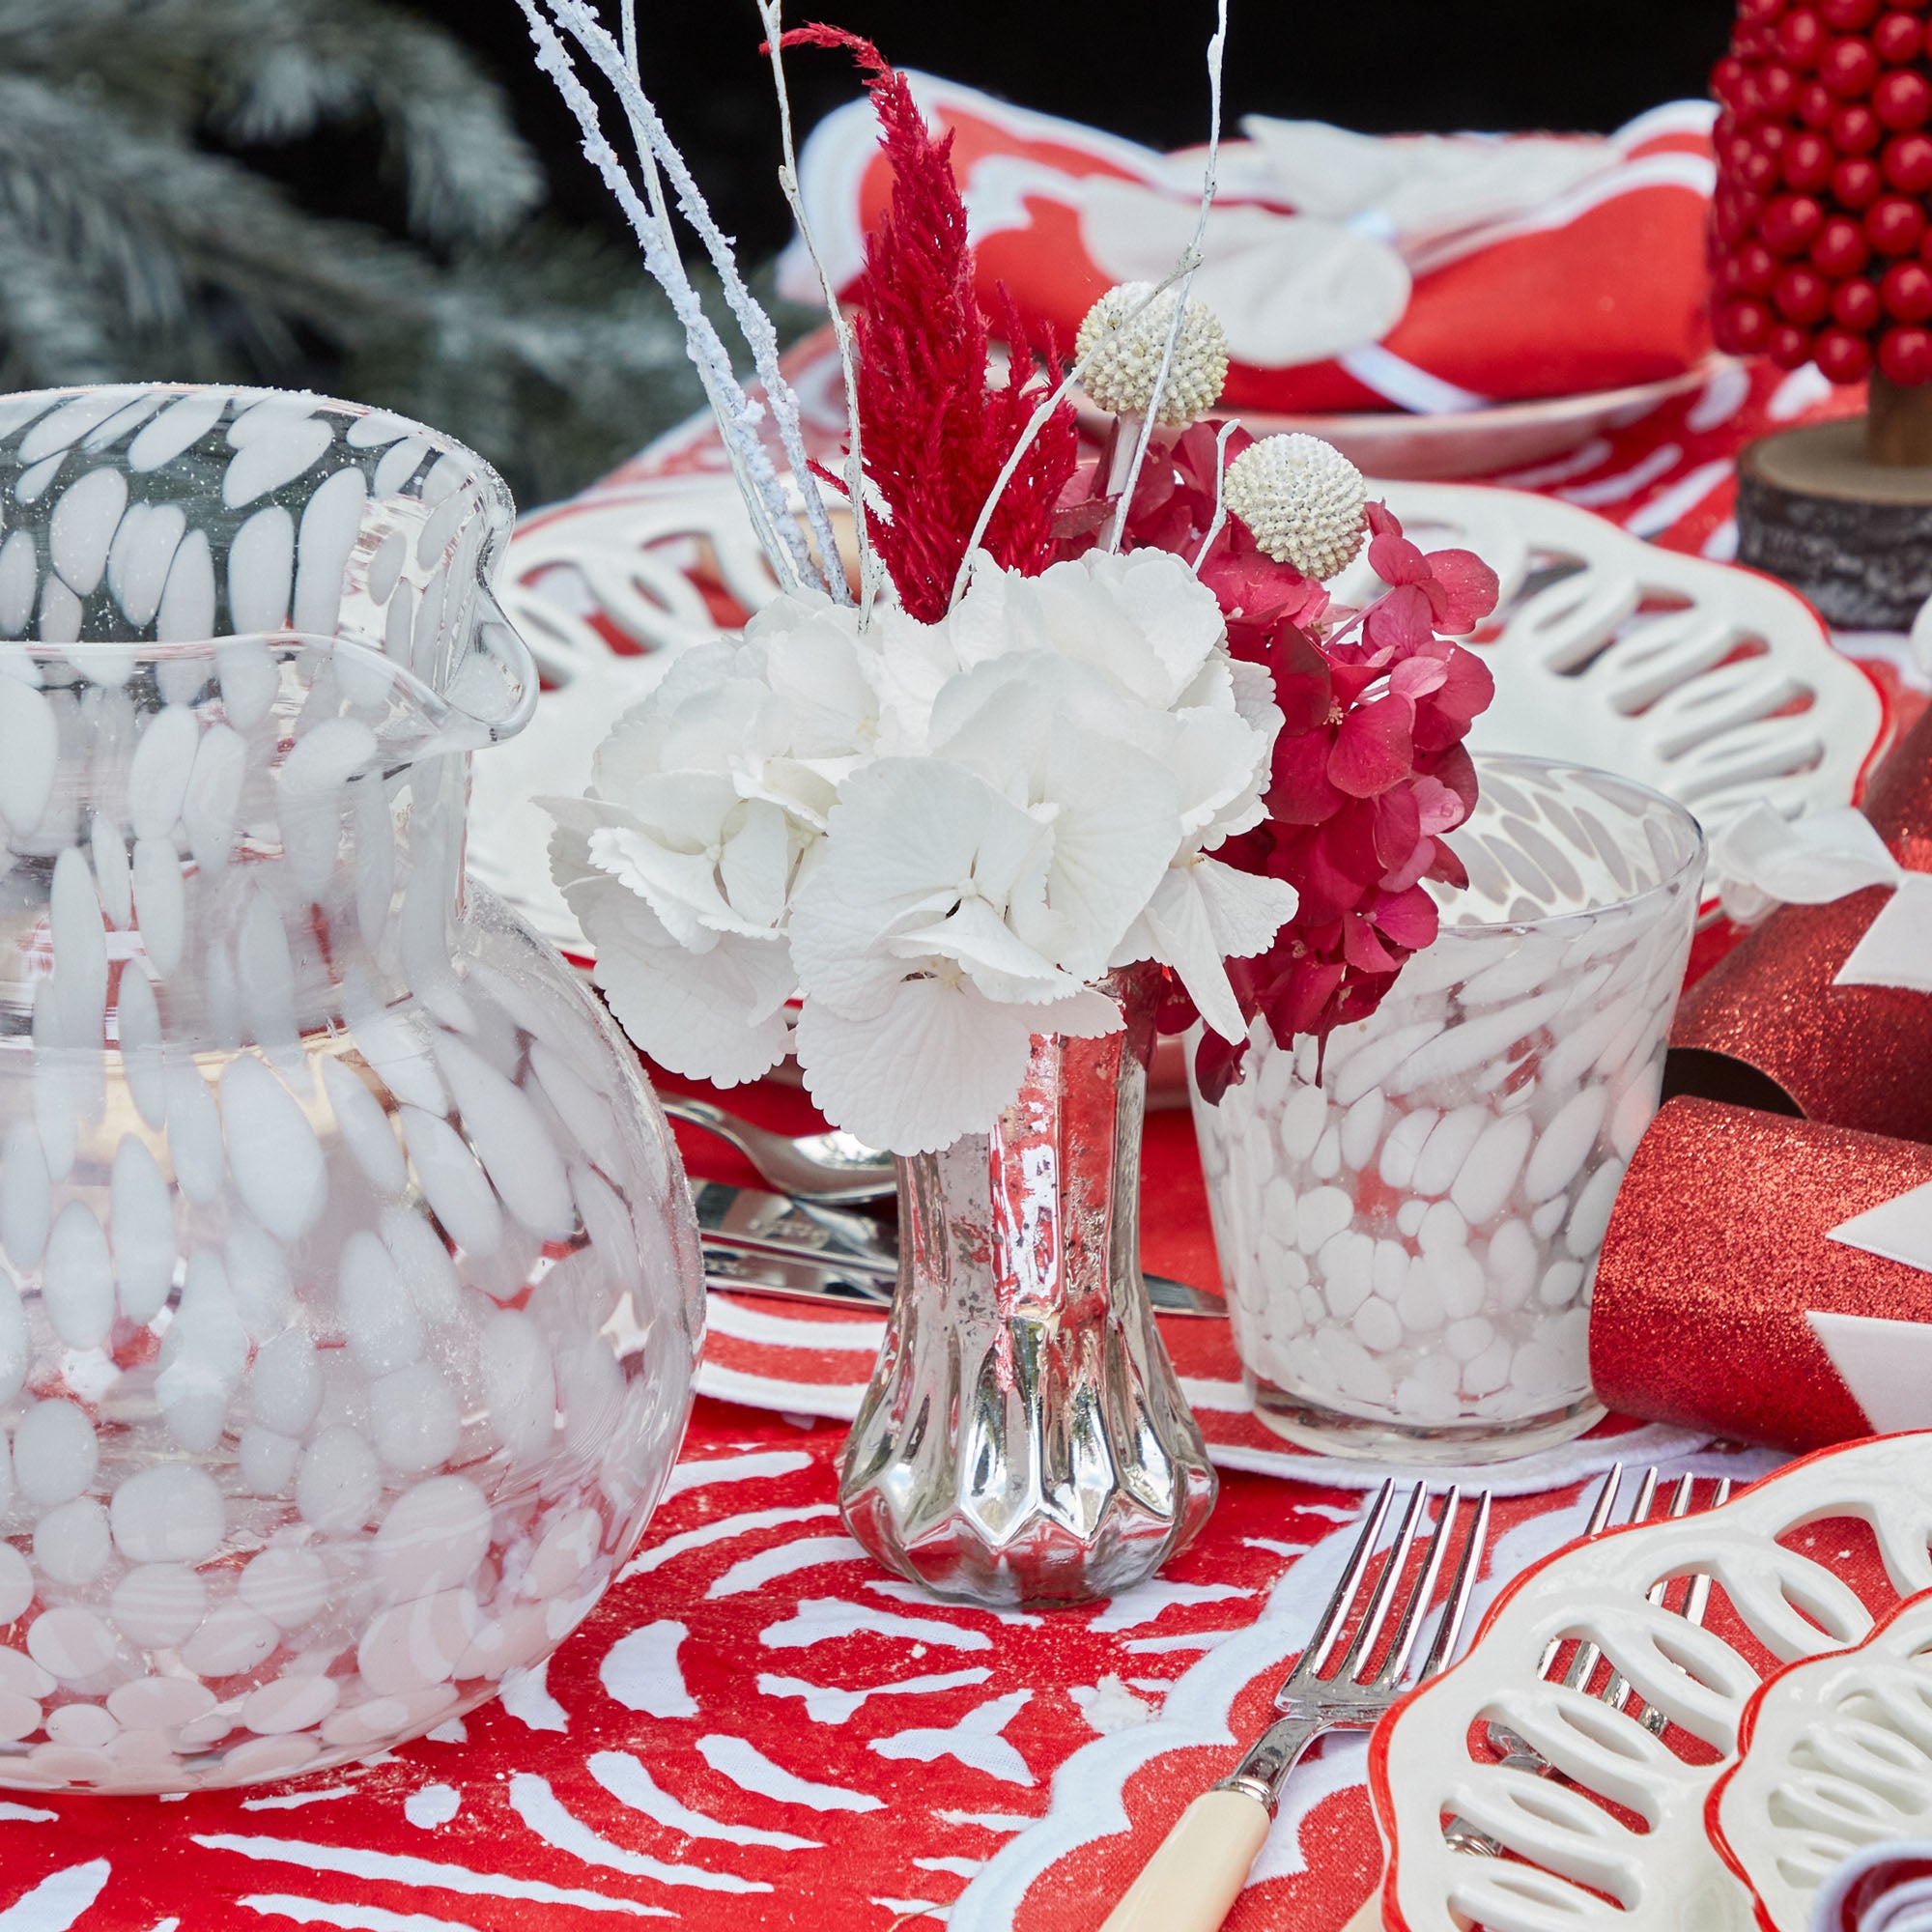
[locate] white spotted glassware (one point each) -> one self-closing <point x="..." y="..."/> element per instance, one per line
<point x="1410" y="1239"/>
<point x="351" y="1294"/>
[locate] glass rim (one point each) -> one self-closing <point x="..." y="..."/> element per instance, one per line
<point x="434" y="706"/>
<point x="489" y="491"/>
<point x="1529" y="761"/>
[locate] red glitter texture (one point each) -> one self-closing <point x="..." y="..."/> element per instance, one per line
<point x="935" y="434"/>
<point x="1768" y="1026"/>
<point x="1718" y="1250"/>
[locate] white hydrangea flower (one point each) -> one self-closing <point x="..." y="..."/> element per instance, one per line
<point x="1144" y="618"/>
<point x="919" y="992"/>
<point x="1121" y="375"/>
<point x="1303" y="501"/>
<point x="936" y="836"/>
<point x="712" y="1010"/>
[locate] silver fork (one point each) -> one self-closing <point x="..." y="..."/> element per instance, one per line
<point x="1198" y="1872"/>
<point x="1515" y="1751"/>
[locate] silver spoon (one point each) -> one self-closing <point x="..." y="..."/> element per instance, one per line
<point x="830" y="1168"/>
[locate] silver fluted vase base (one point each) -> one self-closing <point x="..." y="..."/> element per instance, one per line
<point x="1024" y="1438"/>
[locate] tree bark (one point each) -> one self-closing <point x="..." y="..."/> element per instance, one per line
<point x="1899" y="424"/>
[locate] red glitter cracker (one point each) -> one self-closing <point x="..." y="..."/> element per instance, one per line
<point x="1718" y="1257"/>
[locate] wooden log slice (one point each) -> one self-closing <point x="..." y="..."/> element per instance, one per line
<point x="1853" y="535"/>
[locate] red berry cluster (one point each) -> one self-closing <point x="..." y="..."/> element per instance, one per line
<point x="1821" y="246"/>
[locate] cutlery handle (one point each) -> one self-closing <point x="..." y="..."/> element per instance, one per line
<point x="1192" y="1882"/>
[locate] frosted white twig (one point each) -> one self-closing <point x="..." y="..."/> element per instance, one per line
<point x="1216" y="47"/>
<point x="1220" y="514"/>
<point x="772" y="523"/>
<point x="1043" y="415"/>
<point x="771" y="13"/>
<point x="621" y="68"/>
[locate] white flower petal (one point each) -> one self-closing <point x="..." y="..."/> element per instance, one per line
<point x="1203" y="913"/>
<point x="937" y="1060"/>
<point x="906" y="843"/>
<point x="716" y="1016"/>
<point x="1244" y="911"/>
<point x="976" y="939"/>
<point x="754" y="867"/>
<point x="1058" y="738"/>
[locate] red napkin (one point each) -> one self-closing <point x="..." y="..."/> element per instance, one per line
<point x="1425" y="272"/>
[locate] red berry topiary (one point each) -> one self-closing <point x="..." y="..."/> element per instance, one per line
<point x="1822" y="220"/>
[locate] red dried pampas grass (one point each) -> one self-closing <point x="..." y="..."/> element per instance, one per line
<point x="934" y="433"/>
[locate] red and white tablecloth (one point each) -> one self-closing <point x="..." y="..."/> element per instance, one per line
<point x="758" y="1728"/>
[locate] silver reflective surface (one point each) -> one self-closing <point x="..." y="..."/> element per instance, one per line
<point x="1024" y="1440"/>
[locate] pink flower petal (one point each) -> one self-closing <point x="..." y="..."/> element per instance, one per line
<point x="1363" y="950"/>
<point x="1439" y="808"/>
<point x="1396" y="560"/>
<point x="1409" y="918"/>
<point x="1417" y="676"/>
<point x="1401" y="622"/>
<point x="1372" y="747"/>
<point x="1463" y="589"/>
<point x="1303" y="792"/>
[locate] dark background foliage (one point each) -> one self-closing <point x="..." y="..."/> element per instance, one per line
<point x="1136" y="67"/>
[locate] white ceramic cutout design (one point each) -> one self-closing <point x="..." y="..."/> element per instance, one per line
<point x="1713" y="685"/>
<point x="1689" y="699"/>
<point x="1837" y="1758"/>
<point x="1571" y="1855"/>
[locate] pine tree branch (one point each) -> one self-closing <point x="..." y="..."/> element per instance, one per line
<point x="128" y="248"/>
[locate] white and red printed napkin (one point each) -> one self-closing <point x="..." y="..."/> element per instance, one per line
<point x="1425" y="272"/>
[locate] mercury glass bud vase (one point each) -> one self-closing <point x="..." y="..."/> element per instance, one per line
<point x="1024" y="1438"/>
<point x="351" y="1294"/>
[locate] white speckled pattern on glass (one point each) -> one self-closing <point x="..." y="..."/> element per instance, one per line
<point x="351" y="1296"/>
<point x="1408" y="1245"/>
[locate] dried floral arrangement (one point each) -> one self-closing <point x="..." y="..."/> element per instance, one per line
<point x="1109" y="715"/>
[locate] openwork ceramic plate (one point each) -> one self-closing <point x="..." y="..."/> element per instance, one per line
<point x="1837" y="1757"/>
<point x="1713" y="684"/>
<point x="1805" y="1564"/>
<point x="1478" y="442"/>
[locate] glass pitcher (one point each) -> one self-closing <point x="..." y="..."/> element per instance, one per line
<point x="351" y="1297"/>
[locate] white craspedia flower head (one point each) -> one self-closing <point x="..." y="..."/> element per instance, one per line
<point x="1121" y="376"/>
<point x="1302" y="500"/>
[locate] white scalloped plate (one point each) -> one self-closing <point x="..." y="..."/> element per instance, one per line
<point x="1575" y="1863"/>
<point x="1837" y="1757"/>
<point x="1713" y="684"/>
<point x="1440" y="444"/>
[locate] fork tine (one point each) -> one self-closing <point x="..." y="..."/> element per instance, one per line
<point x="1699" y="1599"/>
<point x="1616" y="1693"/>
<point x="1600" y="1515"/>
<point x="1418" y="1600"/>
<point x="1329" y="1625"/>
<point x="1459" y="1591"/>
<point x="1584" y="1663"/>
<point x="1355" y="1659"/>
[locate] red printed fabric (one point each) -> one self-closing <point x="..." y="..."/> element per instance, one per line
<point x="757" y="1729"/>
<point x="1415" y="272"/>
